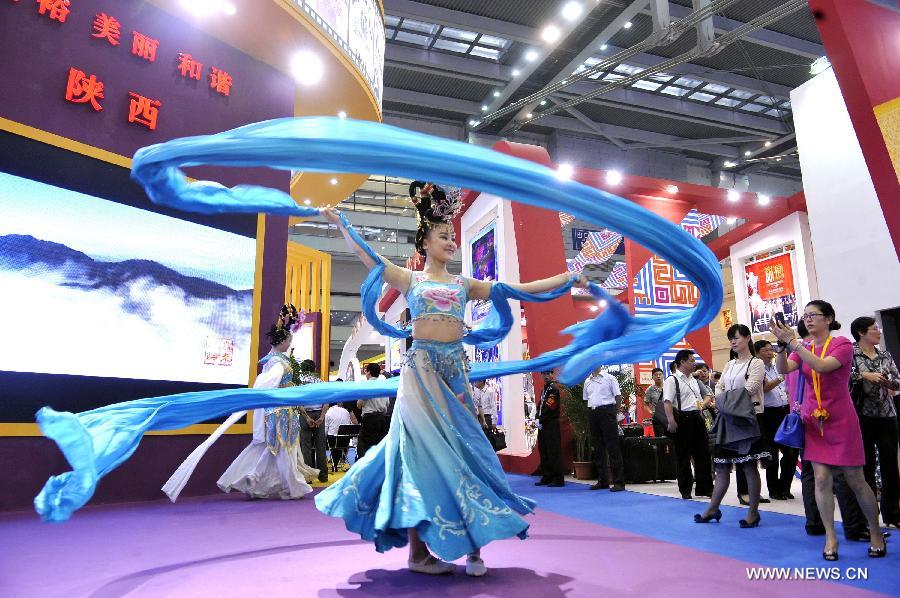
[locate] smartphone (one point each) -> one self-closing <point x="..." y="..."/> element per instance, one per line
<point x="779" y="317"/>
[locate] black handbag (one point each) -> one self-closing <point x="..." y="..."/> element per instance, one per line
<point x="498" y="439"/>
<point x="857" y="390"/>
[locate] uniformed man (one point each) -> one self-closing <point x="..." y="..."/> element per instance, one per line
<point x="549" y="440"/>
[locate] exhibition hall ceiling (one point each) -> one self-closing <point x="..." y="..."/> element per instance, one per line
<point x="718" y="85"/>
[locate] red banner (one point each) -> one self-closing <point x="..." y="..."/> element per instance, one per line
<point x="770" y="289"/>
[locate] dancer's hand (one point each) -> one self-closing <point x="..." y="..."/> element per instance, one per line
<point x="330" y="215"/>
<point x="580" y="281"/>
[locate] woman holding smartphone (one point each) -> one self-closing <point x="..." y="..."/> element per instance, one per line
<point x="832" y="433"/>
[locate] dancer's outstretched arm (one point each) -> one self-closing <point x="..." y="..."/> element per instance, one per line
<point x="394" y="275"/>
<point x="480" y="289"/>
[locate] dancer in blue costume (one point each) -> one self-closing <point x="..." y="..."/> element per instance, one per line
<point x="96" y="442"/>
<point x="435" y="479"/>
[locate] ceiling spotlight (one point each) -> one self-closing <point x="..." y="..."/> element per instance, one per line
<point x="778" y="159"/>
<point x="564" y="172"/>
<point x="543" y="102"/>
<point x="627" y="25"/>
<point x="516" y="72"/>
<point x="471" y="122"/>
<point x="529" y="115"/>
<point x="733" y="196"/>
<point x="550" y="34"/>
<point x="307" y="68"/>
<point x="763" y="199"/>
<point x="613" y="177"/>
<point x="531" y="55"/>
<point x="306" y="202"/>
<point x="496" y="94"/>
<point x="747" y="153"/>
<point x="603" y="47"/>
<point x="342" y="114"/>
<point x="603" y="303"/>
<point x="484" y="108"/>
<point x="477" y="122"/>
<point x="334" y="181"/>
<point x="730" y="220"/>
<point x="729" y="164"/>
<point x="768" y="144"/>
<point x="672" y="188"/>
<point x="571" y="10"/>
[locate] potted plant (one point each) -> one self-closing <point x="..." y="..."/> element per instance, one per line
<point x="576" y="412"/>
<point x="625" y="377"/>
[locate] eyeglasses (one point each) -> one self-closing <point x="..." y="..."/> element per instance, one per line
<point x="812" y="315"/>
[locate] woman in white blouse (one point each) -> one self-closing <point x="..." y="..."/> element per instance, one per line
<point x="745" y="370"/>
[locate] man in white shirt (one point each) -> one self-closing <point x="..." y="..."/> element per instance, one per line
<point x="603" y="396"/>
<point x="336" y="417"/>
<point x="374" y="420"/>
<point x="683" y="400"/>
<point x="775" y="409"/>
<point x="485" y="399"/>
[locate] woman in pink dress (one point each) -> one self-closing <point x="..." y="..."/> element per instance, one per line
<point x="833" y="437"/>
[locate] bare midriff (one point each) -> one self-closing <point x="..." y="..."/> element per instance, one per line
<point x="434" y="327"/>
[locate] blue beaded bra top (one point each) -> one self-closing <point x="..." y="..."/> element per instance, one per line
<point x="432" y="298"/>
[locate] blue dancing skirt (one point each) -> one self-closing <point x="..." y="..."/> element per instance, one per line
<point x="435" y="471"/>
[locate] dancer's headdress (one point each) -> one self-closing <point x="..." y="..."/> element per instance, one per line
<point x="434" y="206"/>
<point x="289" y="321"/>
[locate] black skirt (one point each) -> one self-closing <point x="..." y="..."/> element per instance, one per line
<point x="759" y="451"/>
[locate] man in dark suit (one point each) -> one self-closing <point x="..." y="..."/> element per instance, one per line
<point x="549" y="439"/>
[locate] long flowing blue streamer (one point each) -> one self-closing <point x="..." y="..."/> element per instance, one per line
<point x="97" y="441"/>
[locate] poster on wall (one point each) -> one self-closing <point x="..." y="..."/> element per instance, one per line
<point x="484" y="266"/>
<point x="303" y="345"/>
<point x="770" y="290"/>
<point x="120" y="302"/>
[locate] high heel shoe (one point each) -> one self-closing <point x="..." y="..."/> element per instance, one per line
<point x="698" y="518"/>
<point x="830" y="556"/>
<point x="877" y="553"/>
<point x="745" y="524"/>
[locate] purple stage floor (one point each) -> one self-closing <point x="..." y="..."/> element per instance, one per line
<point x="226" y="545"/>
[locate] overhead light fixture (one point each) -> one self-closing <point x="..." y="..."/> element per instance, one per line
<point x="778" y="159"/>
<point x="571" y="10"/>
<point x="342" y="114"/>
<point x="477" y="122"/>
<point x="484" y="108"/>
<point x="334" y="181"/>
<point x="471" y="122"/>
<point x="672" y="188"/>
<point x="550" y="34"/>
<point x="730" y="220"/>
<point x="768" y="144"/>
<point x="729" y="164"/>
<point x="529" y="115"/>
<point x="613" y="177"/>
<point x="627" y="25"/>
<point x="747" y="153"/>
<point x="603" y="47"/>
<point x="733" y="196"/>
<point x="603" y="303"/>
<point x="763" y="199"/>
<point x="565" y="171"/>
<point x="531" y="55"/>
<point x="820" y="65"/>
<point x="496" y="94"/>
<point x="516" y="72"/>
<point x="306" y="202"/>
<point x="543" y="102"/>
<point x="307" y="68"/>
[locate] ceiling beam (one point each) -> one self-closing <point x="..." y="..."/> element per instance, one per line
<point x="403" y="96"/>
<point x="460" y="67"/>
<point x="762" y="37"/>
<point x="600" y="129"/>
<point x="699" y="142"/>
<point x="460" y="20"/>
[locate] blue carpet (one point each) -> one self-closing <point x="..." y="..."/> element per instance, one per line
<point x="779" y="541"/>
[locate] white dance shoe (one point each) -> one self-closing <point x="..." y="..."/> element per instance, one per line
<point x="475" y="567"/>
<point x="431" y="566"/>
